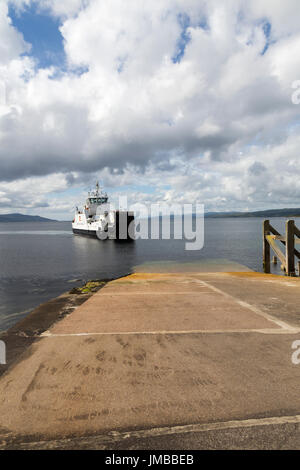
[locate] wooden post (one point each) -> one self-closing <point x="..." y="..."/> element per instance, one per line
<point x="290" y="248"/>
<point x="266" y="248"/>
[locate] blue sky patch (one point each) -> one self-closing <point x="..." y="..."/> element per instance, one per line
<point x="267" y="28"/>
<point x="184" y="22"/>
<point x="42" y="32"/>
<point x="121" y="63"/>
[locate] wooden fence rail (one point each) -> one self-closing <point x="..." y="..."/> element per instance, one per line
<point x="287" y="258"/>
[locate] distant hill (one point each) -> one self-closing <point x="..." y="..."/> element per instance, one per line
<point x="23" y="218"/>
<point x="266" y="213"/>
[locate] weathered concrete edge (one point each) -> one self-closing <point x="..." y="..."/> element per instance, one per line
<point x="141" y="439"/>
<point x="27" y="331"/>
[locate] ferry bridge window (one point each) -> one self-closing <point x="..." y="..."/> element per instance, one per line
<point x="99" y="200"/>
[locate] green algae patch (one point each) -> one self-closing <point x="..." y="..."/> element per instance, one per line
<point x="88" y="288"/>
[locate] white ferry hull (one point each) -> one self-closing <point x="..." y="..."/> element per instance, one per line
<point x="109" y="224"/>
<point x="100" y="219"/>
<point x="88" y="233"/>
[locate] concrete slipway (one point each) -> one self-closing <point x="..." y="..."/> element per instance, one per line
<point x="179" y="360"/>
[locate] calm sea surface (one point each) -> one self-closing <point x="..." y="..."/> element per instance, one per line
<point x="39" y="261"/>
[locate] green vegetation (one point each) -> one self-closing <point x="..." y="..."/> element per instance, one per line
<point x="88" y="288"/>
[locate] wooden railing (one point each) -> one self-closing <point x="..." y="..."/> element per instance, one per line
<point x="287" y="257"/>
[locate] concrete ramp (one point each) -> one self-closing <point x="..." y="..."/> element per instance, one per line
<point x="158" y="353"/>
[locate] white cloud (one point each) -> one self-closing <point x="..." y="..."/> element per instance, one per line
<point x="12" y="43"/>
<point x="63" y="8"/>
<point x="205" y="124"/>
<point x="59" y="8"/>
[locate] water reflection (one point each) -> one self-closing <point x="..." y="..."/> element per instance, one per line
<point x="107" y="258"/>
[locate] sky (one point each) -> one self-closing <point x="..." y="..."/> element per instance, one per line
<point x="176" y="101"/>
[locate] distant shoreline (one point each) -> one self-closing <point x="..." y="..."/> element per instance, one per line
<point x="247" y="215"/>
<point x="7" y="218"/>
<point x="269" y="213"/>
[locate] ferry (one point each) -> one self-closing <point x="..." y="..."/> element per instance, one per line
<point x="99" y="219"/>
